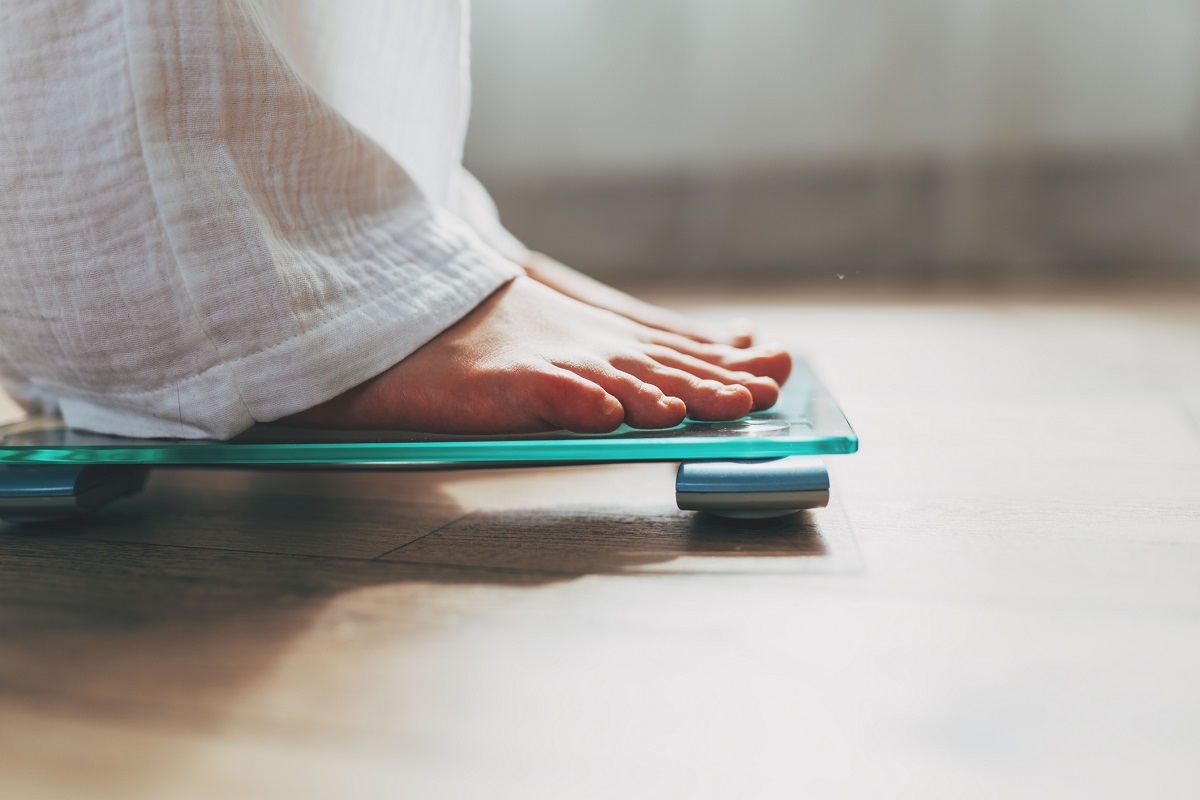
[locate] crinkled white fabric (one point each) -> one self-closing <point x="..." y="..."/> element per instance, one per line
<point x="217" y="212"/>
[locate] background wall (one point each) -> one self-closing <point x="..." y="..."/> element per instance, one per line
<point x="935" y="139"/>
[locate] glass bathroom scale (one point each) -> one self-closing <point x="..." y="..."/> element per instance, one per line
<point x="805" y="422"/>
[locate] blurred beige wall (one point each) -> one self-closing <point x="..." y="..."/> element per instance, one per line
<point x="915" y="138"/>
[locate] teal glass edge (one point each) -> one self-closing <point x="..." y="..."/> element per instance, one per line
<point x="811" y="420"/>
<point x="382" y="453"/>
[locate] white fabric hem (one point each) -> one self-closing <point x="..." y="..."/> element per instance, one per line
<point x="302" y="371"/>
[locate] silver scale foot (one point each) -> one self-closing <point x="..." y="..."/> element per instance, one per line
<point x="49" y="492"/>
<point x="752" y="489"/>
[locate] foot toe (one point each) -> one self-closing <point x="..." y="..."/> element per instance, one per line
<point x="769" y="361"/>
<point x="705" y="398"/>
<point x="564" y="399"/>
<point x="645" y="405"/>
<point x="772" y="362"/>
<point x="763" y="390"/>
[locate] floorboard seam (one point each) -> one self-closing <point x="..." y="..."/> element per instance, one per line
<point x="438" y="529"/>
<point x="312" y="556"/>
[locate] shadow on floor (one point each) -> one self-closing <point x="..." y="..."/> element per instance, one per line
<point x="167" y="611"/>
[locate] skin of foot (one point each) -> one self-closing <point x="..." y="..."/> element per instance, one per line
<point x="572" y="283"/>
<point x="530" y="358"/>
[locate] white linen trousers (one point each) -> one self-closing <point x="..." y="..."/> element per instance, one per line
<point x="217" y="212"/>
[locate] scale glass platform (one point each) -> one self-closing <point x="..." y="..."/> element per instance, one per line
<point x="42" y="461"/>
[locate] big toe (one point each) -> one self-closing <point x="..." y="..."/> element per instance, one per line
<point x="563" y="399"/>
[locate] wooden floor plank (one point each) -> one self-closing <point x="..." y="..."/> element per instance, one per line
<point x="1001" y="601"/>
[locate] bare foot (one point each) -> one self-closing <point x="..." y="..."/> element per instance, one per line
<point x="532" y="359"/>
<point x="575" y="284"/>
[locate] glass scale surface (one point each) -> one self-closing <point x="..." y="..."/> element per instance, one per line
<point x="47" y="468"/>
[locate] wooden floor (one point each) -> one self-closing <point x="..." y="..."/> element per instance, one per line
<point x="1003" y="599"/>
